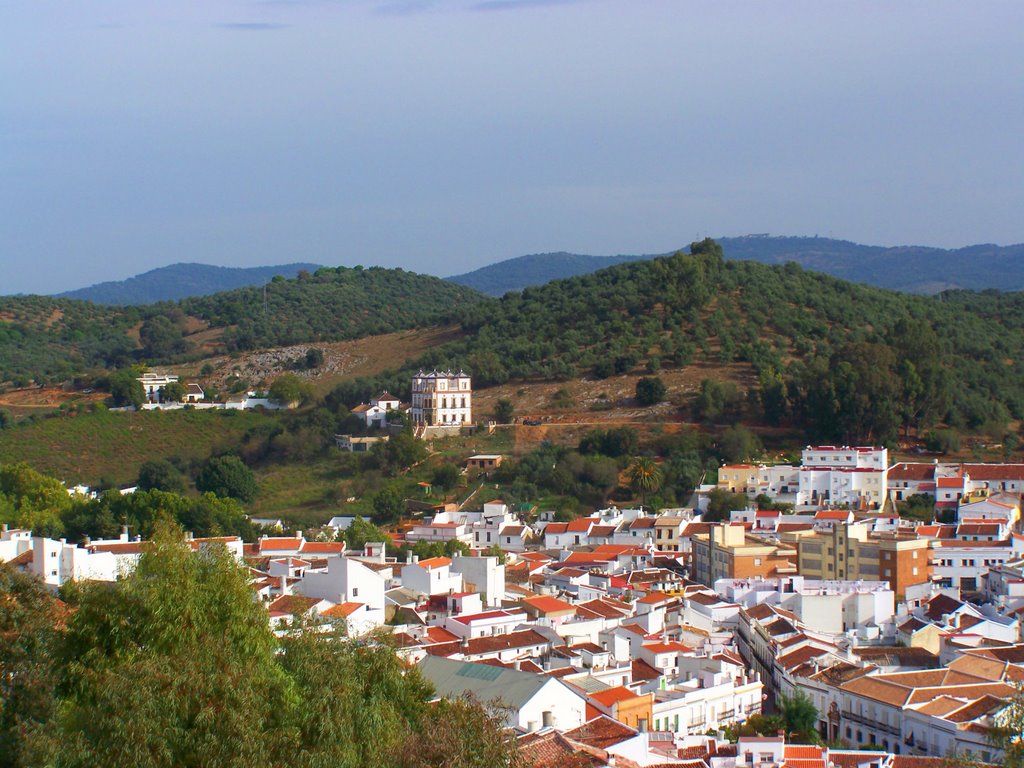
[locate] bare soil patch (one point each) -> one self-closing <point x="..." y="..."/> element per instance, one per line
<point x="342" y="359"/>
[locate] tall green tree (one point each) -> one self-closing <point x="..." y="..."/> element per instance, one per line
<point x="800" y="717"/>
<point x="31" y="500"/>
<point x="160" y="475"/>
<point x="227" y="476"/>
<point x="645" y="477"/>
<point x="125" y="388"/>
<point x="361" y="531"/>
<point x="289" y="389"/>
<point x="388" y="505"/>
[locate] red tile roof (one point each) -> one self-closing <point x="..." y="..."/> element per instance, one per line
<point x="669" y="647"/>
<point x="292" y="604"/>
<point x="434" y="562"/>
<point x="342" y="610"/>
<point x="323" y="548"/>
<point x="121" y="548"/>
<point x="994" y="471"/>
<point x="909" y="471"/>
<point x="278" y="543"/>
<point x="546" y="605"/>
<point x="485" y="616"/>
<point x="612" y="696"/>
<point x="601" y="732"/>
<point x="491" y="644"/>
<point x="582" y="524"/>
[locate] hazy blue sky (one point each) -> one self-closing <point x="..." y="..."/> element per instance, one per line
<point x="440" y="136"/>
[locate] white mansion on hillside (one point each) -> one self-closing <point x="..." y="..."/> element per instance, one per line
<point x="442" y="398"/>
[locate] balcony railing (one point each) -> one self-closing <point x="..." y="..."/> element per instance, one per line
<point x="870" y="723"/>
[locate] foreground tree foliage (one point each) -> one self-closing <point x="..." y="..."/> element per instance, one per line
<point x="176" y="665"/>
<point x="30" y="623"/>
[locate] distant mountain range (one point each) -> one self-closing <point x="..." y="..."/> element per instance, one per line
<point x="913" y="269"/>
<point x="181" y="281"/>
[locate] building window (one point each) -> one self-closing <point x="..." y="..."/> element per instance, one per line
<point x="355" y="591"/>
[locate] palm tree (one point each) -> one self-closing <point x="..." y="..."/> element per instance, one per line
<point x="644" y="477"/>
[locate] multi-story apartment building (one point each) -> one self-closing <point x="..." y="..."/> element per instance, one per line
<point x="849" y="552"/>
<point x="779" y="480"/>
<point x="726" y="552"/>
<point x="442" y="398"/>
<point x="830" y="476"/>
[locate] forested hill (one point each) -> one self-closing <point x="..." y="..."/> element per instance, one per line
<point x="914" y="269"/>
<point x="180" y="281"/>
<point x="46" y="339"/>
<point x="846" y="361"/>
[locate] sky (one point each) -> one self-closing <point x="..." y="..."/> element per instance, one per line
<point x="440" y="136"/>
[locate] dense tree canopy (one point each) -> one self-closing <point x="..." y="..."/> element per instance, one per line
<point x="176" y="666"/>
<point x="227" y="476"/>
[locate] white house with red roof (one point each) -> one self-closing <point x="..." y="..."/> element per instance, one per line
<point x="378" y="410"/>
<point x="907" y="479"/>
<point x="572" y="534"/>
<point x="484" y="624"/>
<point x="281" y="546"/>
<point x="433" y="576"/>
<point x="347" y="580"/>
<point x="446" y="525"/>
<point x="498" y="526"/>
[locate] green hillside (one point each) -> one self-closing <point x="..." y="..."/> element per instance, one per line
<point x="844" y="361"/>
<point x="46" y="339"/>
